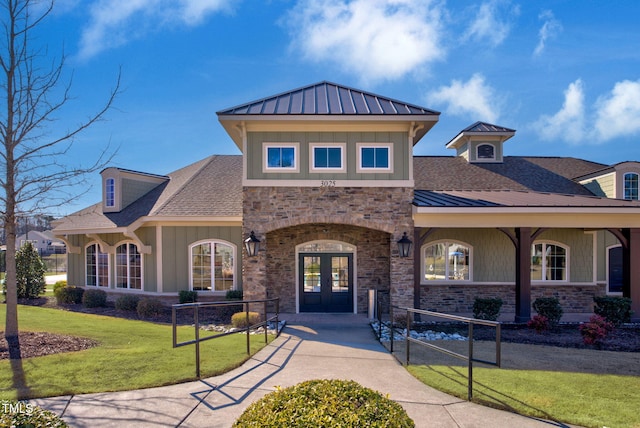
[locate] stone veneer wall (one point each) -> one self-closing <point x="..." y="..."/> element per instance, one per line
<point x="378" y="211"/>
<point x="459" y="298"/>
<point x="371" y="259"/>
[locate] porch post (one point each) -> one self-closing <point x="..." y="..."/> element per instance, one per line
<point x="523" y="274"/>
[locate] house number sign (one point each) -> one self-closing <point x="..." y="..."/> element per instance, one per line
<point x="328" y="183"/>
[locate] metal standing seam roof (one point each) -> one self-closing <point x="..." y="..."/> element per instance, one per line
<point x="513" y="198"/>
<point x="326" y="98"/>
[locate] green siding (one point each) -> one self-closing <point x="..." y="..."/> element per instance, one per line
<point x="175" y="252"/>
<point x="493" y="254"/>
<point x="255" y="152"/>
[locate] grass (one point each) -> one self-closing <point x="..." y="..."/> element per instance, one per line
<point x="582" y="399"/>
<point x="131" y="355"/>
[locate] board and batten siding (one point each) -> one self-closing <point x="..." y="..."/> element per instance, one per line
<point x="255" y="153"/>
<point x="493" y="254"/>
<point x="175" y="252"/>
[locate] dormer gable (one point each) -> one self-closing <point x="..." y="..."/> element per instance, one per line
<point x="121" y="187"/>
<point x="481" y="143"/>
<point x="619" y="181"/>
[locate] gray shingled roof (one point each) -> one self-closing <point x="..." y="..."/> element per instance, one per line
<point x="326" y="98"/>
<point x="211" y="187"/>
<point x="515" y="173"/>
<point x="512" y="198"/>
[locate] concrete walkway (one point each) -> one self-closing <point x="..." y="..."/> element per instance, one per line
<point x="310" y="347"/>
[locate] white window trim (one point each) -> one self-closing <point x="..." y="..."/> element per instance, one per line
<point x="106" y="192"/>
<point x="86" y="279"/>
<point x="624" y="182"/>
<point x="312" y="163"/>
<point x="234" y="252"/>
<point x="448" y="243"/>
<point x="567" y="261"/>
<point x="492" y="159"/>
<point x="360" y="169"/>
<point x="265" y="157"/>
<point x="128" y="287"/>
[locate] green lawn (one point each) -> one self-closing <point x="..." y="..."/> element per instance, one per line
<point x="131" y="355"/>
<point x="586" y="400"/>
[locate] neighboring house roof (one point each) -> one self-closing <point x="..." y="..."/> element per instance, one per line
<point x="515" y="173"/>
<point x="326" y="98"/>
<point x="209" y="188"/>
<point x="512" y="198"/>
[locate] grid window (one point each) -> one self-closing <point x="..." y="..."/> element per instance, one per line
<point x="548" y="262"/>
<point x="128" y="267"/>
<point x="97" y="266"/>
<point x="631" y="186"/>
<point x="281" y="157"/>
<point x="212" y="266"/>
<point x="110" y="192"/>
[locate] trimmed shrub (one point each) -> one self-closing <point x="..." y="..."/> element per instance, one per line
<point x="188" y="296"/>
<point x="595" y="330"/>
<point x="69" y="295"/>
<point x="148" y="307"/>
<point x="321" y="403"/>
<point x="487" y="309"/>
<point x="23" y="414"/>
<point x="539" y="323"/>
<point x="94" y="298"/>
<point x="239" y="319"/>
<point x="127" y="302"/>
<point x="58" y="285"/>
<point x="234" y="295"/>
<point x="614" y="309"/>
<point x="30" y="271"/>
<point x="549" y="307"/>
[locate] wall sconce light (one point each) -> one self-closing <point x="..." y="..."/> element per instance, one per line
<point x="252" y="244"/>
<point x="404" y="245"/>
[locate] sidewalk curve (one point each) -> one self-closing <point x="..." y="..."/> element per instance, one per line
<point x="327" y="346"/>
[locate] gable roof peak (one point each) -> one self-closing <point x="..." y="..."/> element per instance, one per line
<point x="487" y="127"/>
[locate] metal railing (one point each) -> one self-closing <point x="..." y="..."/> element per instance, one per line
<point x="470" y="321"/>
<point x="196" y="323"/>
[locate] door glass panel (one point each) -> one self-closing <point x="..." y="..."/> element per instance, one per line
<point x="311" y="274"/>
<point x="339" y="274"/>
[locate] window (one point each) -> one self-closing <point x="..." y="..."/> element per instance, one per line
<point x="327" y="157"/>
<point x="631" y="186"/>
<point x="128" y="267"/>
<point x="549" y="262"/>
<point x="281" y="157"/>
<point x="110" y="192"/>
<point x="97" y="266"/>
<point x="212" y="266"/>
<point x="486" y="152"/>
<point x="447" y="261"/>
<point x="374" y="157"/>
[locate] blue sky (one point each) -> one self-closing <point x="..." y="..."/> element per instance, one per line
<point x="564" y="74"/>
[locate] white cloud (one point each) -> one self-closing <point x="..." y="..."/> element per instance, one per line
<point x="618" y="113"/>
<point x="614" y="115"/>
<point x="473" y="98"/>
<point x="373" y="39"/>
<point x="569" y="123"/>
<point x="492" y="22"/>
<point x="114" y="23"/>
<point x="550" y="29"/>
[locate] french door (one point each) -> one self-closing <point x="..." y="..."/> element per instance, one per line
<point x="326" y="282"/>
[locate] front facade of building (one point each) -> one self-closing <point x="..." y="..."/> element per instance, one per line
<point x="328" y="183"/>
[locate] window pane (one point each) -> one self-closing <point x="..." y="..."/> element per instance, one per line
<point x="334" y="157"/>
<point x="273" y="156"/>
<point x="288" y="159"/>
<point x="485" y="151"/>
<point x="339" y="274"/>
<point x="121" y="266"/>
<point x="92" y="277"/>
<point x="110" y="192"/>
<point x="631" y="186"/>
<point x="382" y="157"/>
<point x="201" y="267"/>
<point x="311" y="274"/>
<point x="555" y="261"/>
<point x="103" y="269"/>
<point x="320" y="157"/>
<point x="435" y="262"/>
<point x="458" y="262"/>
<point x="223" y="267"/>
<point x="368" y="157"/>
<point x="135" y="268"/>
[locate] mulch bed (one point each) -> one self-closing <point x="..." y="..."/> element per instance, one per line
<point x="37" y="344"/>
